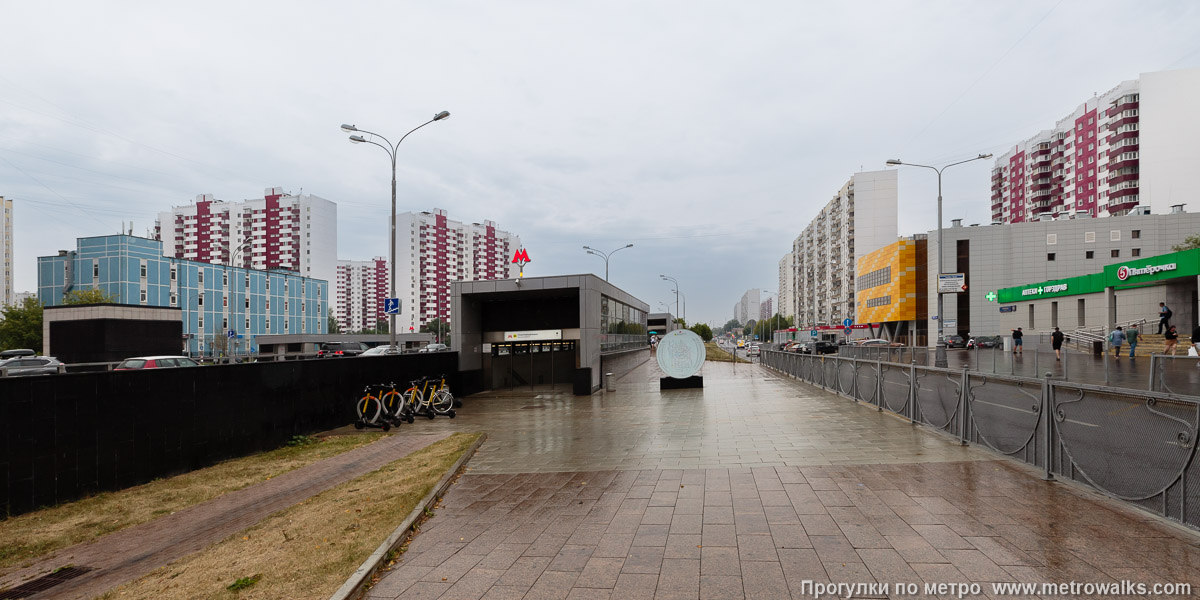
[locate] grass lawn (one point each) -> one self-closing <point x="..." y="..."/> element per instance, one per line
<point x="714" y="352"/>
<point x="310" y="549"/>
<point x="38" y="533"/>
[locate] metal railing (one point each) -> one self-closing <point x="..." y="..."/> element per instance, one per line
<point x="1138" y="446"/>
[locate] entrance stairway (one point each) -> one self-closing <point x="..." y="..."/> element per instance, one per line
<point x="1152" y="343"/>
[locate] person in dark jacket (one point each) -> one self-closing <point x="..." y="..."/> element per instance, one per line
<point x="1056" y="342"/>
<point x="1017" y="341"/>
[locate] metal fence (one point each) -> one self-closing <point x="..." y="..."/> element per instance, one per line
<point x="1134" y="445"/>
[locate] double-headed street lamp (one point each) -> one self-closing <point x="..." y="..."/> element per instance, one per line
<point x="391" y="150"/>
<point x="605" y="255"/>
<point x="676" y="281"/>
<point x="940" y="356"/>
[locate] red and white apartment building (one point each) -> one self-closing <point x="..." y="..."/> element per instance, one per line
<point x="360" y="289"/>
<point x="432" y="250"/>
<point x="278" y="231"/>
<point x="1130" y="146"/>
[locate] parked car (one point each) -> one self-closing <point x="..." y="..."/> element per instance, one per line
<point x="434" y="348"/>
<point x="30" y="365"/>
<point x="377" y="350"/>
<point x="824" y="347"/>
<point x="17" y="352"/>
<point x="956" y="341"/>
<point x="988" y="341"/>
<point x="336" y="349"/>
<point x="872" y="342"/>
<point x="155" y="362"/>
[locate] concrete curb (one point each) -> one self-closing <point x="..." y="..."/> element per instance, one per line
<point x="353" y="588"/>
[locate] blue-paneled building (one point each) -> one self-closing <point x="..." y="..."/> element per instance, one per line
<point x="214" y="299"/>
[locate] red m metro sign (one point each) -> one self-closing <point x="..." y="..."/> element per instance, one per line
<point x="522" y="259"/>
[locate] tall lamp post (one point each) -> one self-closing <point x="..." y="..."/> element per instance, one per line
<point x="605" y="255"/>
<point x="391" y="150"/>
<point x="676" y="282"/>
<point x="940" y="356"/>
<point x="774" y="317"/>
<point x="229" y="293"/>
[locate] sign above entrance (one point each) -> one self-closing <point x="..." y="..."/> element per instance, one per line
<point x="1155" y="268"/>
<point x="533" y="335"/>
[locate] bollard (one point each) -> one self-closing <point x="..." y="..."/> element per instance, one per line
<point x="912" y="393"/>
<point x="1036" y="356"/>
<point x="994" y="350"/>
<point x="962" y="406"/>
<point x="1104" y="351"/>
<point x="609" y="384"/>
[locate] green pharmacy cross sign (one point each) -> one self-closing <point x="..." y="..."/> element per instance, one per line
<point x="991" y="296"/>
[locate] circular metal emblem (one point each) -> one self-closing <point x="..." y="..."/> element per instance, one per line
<point x="1123" y="273"/>
<point x="680" y="354"/>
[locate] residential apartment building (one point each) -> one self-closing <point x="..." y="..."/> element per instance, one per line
<point x="748" y="308"/>
<point x="6" y="246"/>
<point x="278" y="231"/>
<point x="1057" y="255"/>
<point x="860" y="219"/>
<point x="1118" y="150"/>
<point x="215" y="301"/>
<point x="766" y="309"/>
<point x="360" y="290"/>
<point x="787" y="292"/>
<point x="432" y="250"/>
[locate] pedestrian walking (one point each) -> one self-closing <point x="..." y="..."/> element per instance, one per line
<point x="1116" y="338"/>
<point x="1017" y="343"/>
<point x="1164" y="317"/>
<point x="1056" y="342"/>
<point x="1172" y="338"/>
<point x="1131" y="336"/>
<point x="1196" y="342"/>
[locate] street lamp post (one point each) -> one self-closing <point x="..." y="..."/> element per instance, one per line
<point x="605" y="255"/>
<point x="774" y="318"/>
<point x="940" y="356"/>
<point x="679" y="293"/>
<point x="229" y="299"/>
<point x="676" y="281"/>
<point x="391" y="150"/>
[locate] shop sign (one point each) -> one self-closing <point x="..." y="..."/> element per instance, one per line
<point x="533" y="335"/>
<point x="1086" y="284"/>
<point x="1007" y="309"/>
<point x="1155" y="268"/>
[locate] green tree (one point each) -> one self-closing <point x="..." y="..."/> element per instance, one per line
<point x="680" y="322"/>
<point x="703" y="330"/>
<point x="1190" y="243"/>
<point x="89" y="297"/>
<point x="433" y="327"/>
<point x="334" y="326"/>
<point x="731" y="325"/>
<point x="22" y="326"/>
<point x="749" y="327"/>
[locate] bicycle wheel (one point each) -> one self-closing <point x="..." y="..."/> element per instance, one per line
<point x="412" y="401"/>
<point x="443" y="401"/>
<point x="393" y="403"/>
<point x="368" y="409"/>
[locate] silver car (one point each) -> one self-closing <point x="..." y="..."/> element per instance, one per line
<point x="30" y="365"/>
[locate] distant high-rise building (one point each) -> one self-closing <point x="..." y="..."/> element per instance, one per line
<point x="1117" y="150"/>
<point x="432" y="251"/>
<point x="6" y="245"/>
<point x="860" y="219"/>
<point x="787" y="290"/>
<point x="766" y="309"/>
<point x="749" y="307"/>
<point x="361" y="288"/>
<point x="278" y="231"/>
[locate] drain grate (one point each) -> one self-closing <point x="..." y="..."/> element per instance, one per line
<point x="43" y="583"/>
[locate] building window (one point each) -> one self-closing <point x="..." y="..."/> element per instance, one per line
<point x="200" y="277"/>
<point x="285" y="286"/>
<point x="247" y="324"/>
<point x="1089" y="237"/>
<point x="200" y="321"/>
<point x="247" y="302"/>
<point x="174" y="299"/>
<point x="268" y="284"/>
<point x="286" y="324"/>
<point x="1091" y="254"/>
<point x="268" y="326"/>
<point x="224" y="279"/>
<point x="174" y="275"/>
<point x="224" y="300"/>
<point x="1137" y="251"/>
<point x="1051" y="239"/>
<point x="143" y="270"/>
<point x="224" y="323"/>
<point x="95" y="270"/>
<point x="1114" y="235"/>
<point x="1050" y="256"/>
<point x="1135" y="234"/>
<point x="1116" y="253"/>
<point x="143" y="296"/>
<point x="247" y="281"/>
<point x="200" y="300"/>
<point x="1081" y="310"/>
<point x="268" y="304"/>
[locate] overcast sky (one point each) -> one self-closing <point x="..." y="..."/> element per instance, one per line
<point x="708" y="134"/>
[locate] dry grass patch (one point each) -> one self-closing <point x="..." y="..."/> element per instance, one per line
<point x="38" y="533"/>
<point x="310" y="549"/>
<point x="714" y="352"/>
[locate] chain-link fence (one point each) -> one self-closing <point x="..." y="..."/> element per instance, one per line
<point x="1135" y="445"/>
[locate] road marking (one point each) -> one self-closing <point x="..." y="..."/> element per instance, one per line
<point x="1029" y="412"/>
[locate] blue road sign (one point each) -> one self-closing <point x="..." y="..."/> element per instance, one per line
<point x="847" y="322"/>
<point x="813" y="334"/>
<point x="232" y="334"/>
<point x="391" y="306"/>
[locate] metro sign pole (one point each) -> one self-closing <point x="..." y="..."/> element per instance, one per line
<point x="521" y="258"/>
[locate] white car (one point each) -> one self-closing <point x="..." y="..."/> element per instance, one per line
<point x="434" y="348"/>
<point x="377" y="350"/>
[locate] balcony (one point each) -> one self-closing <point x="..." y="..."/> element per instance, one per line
<point x="1122" y="177"/>
<point x="1121" y="161"/>
<point x="1125" y="135"/>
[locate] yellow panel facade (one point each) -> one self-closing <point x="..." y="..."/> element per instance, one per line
<point x="890" y="283"/>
